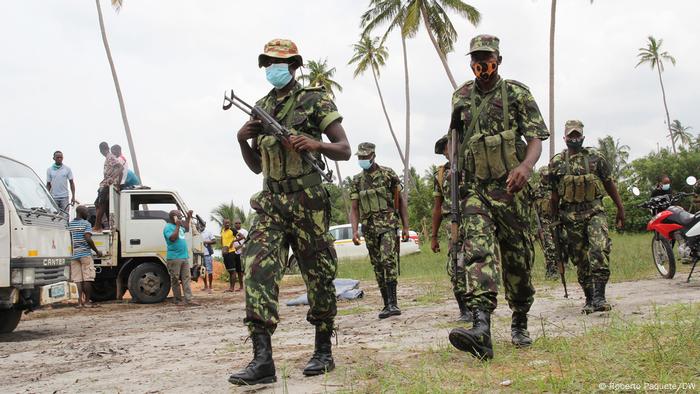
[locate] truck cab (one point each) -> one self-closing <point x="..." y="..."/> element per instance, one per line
<point x="134" y="249"/>
<point x="35" y="245"/>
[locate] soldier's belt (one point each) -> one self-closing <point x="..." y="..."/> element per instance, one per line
<point x="292" y="185"/>
<point x="581" y="207"/>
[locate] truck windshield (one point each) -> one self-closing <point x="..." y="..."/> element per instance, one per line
<point x="25" y="188"/>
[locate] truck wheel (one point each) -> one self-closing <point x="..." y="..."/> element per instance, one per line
<point x="104" y="290"/>
<point x="149" y="283"/>
<point x="9" y="319"/>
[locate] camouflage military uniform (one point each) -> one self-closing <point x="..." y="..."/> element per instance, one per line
<point x="441" y="188"/>
<point x="374" y="191"/>
<point x="581" y="210"/>
<point x="542" y="203"/>
<point x="292" y="210"/>
<point x="491" y="145"/>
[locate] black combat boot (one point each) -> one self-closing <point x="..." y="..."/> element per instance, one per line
<point x="588" y="292"/>
<point x="465" y="314"/>
<point x="519" y="335"/>
<point x="262" y="368"/>
<point x="322" y="360"/>
<point x="385" y="296"/>
<point x="599" y="303"/>
<point x="391" y="292"/>
<point x="476" y="340"/>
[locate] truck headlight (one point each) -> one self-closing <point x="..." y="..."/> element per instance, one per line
<point x="28" y="276"/>
<point x="16" y="276"/>
<point x="66" y="272"/>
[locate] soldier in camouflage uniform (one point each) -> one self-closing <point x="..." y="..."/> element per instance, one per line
<point x="376" y="202"/>
<point x="293" y="209"/>
<point x="542" y="203"/>
<point x="579" y="177"/>
<point x="441" y="210"/>
<point x="491" y="116"/>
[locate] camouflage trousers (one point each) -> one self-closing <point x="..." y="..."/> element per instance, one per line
<point x="549" y="248"/>
<point x="381" y="245"/>
<point x="299" y="220"/>
<point x="588" y="246"/>
<point x="493" y="218"/>
<point x="458" y="276"/>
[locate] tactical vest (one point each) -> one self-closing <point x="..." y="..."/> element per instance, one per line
<point x="488" y="156"/>
<point x="376" y="200"/>
<point x="543" y="205"/>
<point x="578" y="188"/>
<point x="280" y="162"/>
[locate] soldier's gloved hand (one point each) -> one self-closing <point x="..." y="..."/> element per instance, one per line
<point x="620" y="218"/>
<point x="518" y="178"/>
<point x="250" y="129"/>
<point x="435" y="245"/>
<point x="356" y="238"/>
<point x="302" y="142"/>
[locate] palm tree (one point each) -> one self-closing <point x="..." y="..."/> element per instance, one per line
<point x="653" y="55"/>
<point x="371" y="53"/>
<point x="438" y="25"/>
<point x="228" y="211"/>
<point x="615" y="154"/>
<point x="117" y="4"/>
<point x="320" y="75"/>
<point x="393" y="13"/>
<point x="680" y="133"/>
<point x="552" y="23"/>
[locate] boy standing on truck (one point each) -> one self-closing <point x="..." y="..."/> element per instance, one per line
<point x="82" y="267"/>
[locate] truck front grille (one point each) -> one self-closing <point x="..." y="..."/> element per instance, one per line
<point x="47" y="275"/>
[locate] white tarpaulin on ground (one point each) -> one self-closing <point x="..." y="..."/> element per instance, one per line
<point x="345" y="289"/>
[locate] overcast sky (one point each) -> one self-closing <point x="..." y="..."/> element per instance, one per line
<point x="175" y="59"/>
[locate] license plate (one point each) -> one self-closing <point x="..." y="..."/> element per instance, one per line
<point x="57" y="291"/>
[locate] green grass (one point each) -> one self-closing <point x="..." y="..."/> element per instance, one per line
<point x="663" y="350"/>
<point x="630" y="260"/>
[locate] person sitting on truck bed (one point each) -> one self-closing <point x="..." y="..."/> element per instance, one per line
<point x="129" y="177"/>
<point x="112" y="176"/>
<point x="82" y="267"/>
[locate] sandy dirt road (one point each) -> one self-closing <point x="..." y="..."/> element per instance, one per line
<point x="122" y="347"/>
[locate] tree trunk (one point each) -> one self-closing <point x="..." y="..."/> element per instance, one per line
<point x="443" y="58"/>
<point x="122" y="108"/>
<point x="386" y="115"/>
<point x="552" y="127"/>
<point x="406" y="166"/>
<point x="668" y="117"/>
<point x="343" y="191"/>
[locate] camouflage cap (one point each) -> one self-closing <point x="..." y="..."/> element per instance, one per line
<point x="440" y="144"/>
<point x="573" y="125"/>
<point x="281" y="49"/>
<point x="484" y="42"/>
<point x="365" y="149"/>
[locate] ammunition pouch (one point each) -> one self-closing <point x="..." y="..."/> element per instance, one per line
<point x="493" y="155"/>
<point x="291" y="185"/>
<point x="374" y="201"/>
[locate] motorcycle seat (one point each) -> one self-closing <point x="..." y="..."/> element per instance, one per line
<point x="681" y="216"/>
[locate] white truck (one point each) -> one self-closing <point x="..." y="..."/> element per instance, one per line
<point x="134" y="249"/>
<point x="35" y="245"/>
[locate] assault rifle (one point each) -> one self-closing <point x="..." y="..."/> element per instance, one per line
<point x="272" y="127"/>
<point x="455" y="245"/>
<point x="561" y="255"/>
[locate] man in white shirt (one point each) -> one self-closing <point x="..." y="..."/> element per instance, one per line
<point x="58" y="177"/>
<point x="241" y="235"/>
<point x="209" y="241"/>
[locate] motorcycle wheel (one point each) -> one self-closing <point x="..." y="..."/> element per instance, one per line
<point x="664" y="260"/>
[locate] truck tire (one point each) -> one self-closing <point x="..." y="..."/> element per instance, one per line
<point x="149" y="283"/>
<point x="104" y="290"/>
<point x="9" y="319"/>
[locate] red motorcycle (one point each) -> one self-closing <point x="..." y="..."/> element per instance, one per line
<point x="672" y="224"/>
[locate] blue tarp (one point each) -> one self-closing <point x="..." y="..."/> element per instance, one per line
<point x="345" y="289"/>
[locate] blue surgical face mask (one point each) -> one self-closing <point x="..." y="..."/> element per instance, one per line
<point x="666" y="187"/>
<point x="278" y="74"/>
<point x="365" y="164"/>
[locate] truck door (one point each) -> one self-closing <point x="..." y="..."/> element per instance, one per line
<point x="4" y="244"/>
<point x="144" y="228"/>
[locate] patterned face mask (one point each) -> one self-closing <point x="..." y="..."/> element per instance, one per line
<point x="484" y="71"/>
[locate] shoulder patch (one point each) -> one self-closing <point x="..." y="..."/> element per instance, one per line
<point x="517" y="83"/>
